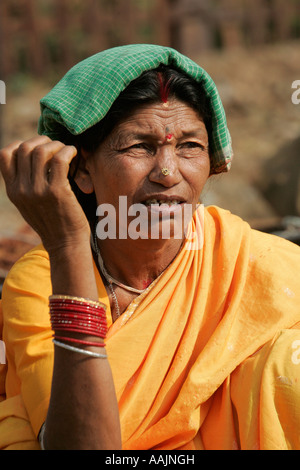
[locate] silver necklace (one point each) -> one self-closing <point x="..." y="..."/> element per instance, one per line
<point x="115" y="300"/>
<point x="111" y="280"/>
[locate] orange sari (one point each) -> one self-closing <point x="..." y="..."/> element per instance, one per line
<point x="207" y="358"/>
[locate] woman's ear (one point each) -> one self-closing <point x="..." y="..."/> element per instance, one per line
<point x="81" y="174"/>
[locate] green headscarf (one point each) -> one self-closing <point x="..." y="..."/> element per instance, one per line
<point x="86" y="93"/>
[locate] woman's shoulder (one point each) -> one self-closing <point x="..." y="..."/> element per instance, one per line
<point x="31" y="263"/>
<point x="230" y="225"/>
<point x="269" y="259"/>
<point x="31" y="273"/>
<point x="37" y="253"/>
<point x="223" y="221"/>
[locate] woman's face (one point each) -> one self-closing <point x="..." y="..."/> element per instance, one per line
<point x="129" y="162"/>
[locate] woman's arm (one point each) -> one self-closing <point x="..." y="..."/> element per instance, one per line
<point x="83" y="410"/>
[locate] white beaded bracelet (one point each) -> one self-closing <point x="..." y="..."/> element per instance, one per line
<point x="79" y="350"/>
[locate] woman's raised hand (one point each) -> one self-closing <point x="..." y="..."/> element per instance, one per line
<point x="36" y="178"/>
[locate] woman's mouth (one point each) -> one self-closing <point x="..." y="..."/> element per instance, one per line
<point x="162" y="202"/>
<point x="164" y="206"/>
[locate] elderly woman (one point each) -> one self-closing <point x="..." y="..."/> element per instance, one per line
<point x="116" y="335"/>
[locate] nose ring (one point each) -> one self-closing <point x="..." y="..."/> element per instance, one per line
<point x="165" y="171"/>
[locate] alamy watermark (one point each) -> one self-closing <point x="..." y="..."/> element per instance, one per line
<point x="296" y="353"/>
<point x="296" y="94"/>
<point x="156" y="220"/>
<point x="2" y="92"/>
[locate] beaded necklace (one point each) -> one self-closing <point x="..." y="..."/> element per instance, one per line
<point x="111" y="280"/>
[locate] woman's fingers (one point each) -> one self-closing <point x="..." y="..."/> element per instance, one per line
<point x="60" y="164"/>
<point x="31" y="165"/>
<point x="8" y="161"/>
<point x="45" y="159"/>
<point x="32" y="157"/>
<point x="15" y="161"/>
<point x="36" y="177"/>
<point x="28" y="154"/>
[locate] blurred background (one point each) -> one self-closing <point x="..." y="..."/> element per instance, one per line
<point x="251" y="48"/>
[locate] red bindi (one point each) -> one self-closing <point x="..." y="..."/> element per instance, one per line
<point x="168" y="138"/>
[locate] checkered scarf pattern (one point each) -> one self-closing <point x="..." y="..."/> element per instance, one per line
<point x="86" y="93"/>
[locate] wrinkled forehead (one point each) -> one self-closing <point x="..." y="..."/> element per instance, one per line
<point x="157" y="121"/>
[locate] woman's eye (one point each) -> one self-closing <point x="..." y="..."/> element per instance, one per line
<point x="143" y="146"/>
<point x="139" y="146"/>
<point x="191" y="145"/>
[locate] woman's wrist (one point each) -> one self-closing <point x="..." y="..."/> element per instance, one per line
<point x="63" y="247"/>
<point x="72" y="271"/>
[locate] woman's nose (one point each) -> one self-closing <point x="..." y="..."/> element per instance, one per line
<point x="165" y="170"/>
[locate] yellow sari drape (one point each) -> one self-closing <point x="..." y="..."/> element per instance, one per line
<point x="207" y="358"/>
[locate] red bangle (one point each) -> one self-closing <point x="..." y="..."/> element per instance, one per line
<point x="80" y="319"/>
<point x="80" y="341"/>
<point x="84" y="331"/>
<point x="71" y="299"/>
<point x="67" y="318"/>
<point x="89" y="329"/>
<point x="72" y="314"/>
<point x="77" y="306"/>
<point x="77" y="317"/>
<point x="67" y="306"/>
<point x="79" y="311"/>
